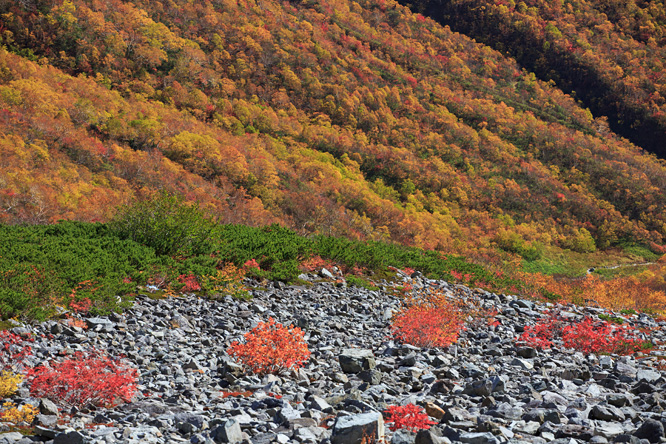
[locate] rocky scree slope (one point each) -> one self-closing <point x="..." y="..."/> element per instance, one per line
<point x="484" y="389"/>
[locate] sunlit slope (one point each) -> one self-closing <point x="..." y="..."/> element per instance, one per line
<point x="354" y="119"/>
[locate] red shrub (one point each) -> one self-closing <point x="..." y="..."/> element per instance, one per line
<point x="589" y="336"/>
<point x="410" y="417"/>
<point x="270" y="348"/>
<point x="87" y="378"/>
<point x="428" y="323"/>
<point x="542" y="334"/>
<point x="251" y="263"/>
<point x="190" y="282"/>
<point x="13" y="350"/>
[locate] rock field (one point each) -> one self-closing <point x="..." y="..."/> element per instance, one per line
<point x="483" y="390"/>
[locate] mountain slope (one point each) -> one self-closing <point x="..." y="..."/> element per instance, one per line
<point x="345" y="118"/>
<point x="608" y="53"/>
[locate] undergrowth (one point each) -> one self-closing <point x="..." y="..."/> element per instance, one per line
<point x="171" y="247"/>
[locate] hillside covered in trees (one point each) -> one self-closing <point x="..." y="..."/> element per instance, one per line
<point x="608" y="53"/>
<point x="357" y="119"/>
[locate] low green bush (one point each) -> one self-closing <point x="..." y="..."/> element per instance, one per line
<point x="165" y="242"/>
<point x="167" y="224"/>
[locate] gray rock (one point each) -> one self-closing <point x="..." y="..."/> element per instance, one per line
<point x="478" y="438"/>
<point x="403" y="436"/>
<point x="430" y="436"/>
<point x="11" y="437"/>
<point x="608" y="429"/>
<point x="228" y="432"/>
<point x="318" y="403"/>
<point x="526" y="352"/>
<point x="651" y="430"/>
<point x="484" y="387"/>
<point x="522" y="363"/>
<point x="354" y="429"/>
<point x="617" y="399"/>
<point x="48" y="407"/>
<point x="46" y="420"/>
<point x="648" y="375"/>
<point x="72" y="437"/>
<point x="354" y="360"/>
<point x="606" y="413"/>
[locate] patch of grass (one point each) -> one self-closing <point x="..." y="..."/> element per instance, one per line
<point x="609" y="318"/>
<point x="360" y="282"/>
<point x="6" y="325"/>
<point x="640" y="253"/>
<point x="558" y="262"/>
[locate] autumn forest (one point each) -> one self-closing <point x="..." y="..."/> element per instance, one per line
<point x="526" y="135"/>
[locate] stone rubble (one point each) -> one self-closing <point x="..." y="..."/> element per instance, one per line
<point x="483" y="390"/>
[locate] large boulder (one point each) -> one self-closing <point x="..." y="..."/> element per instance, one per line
<point x="355" y="360"/>
<point x="354" y="429"/>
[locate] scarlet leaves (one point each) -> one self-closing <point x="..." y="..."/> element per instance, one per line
<point x="87" y="378"/>
<point x="410" y="417"/>
<point x="428" y="321"/>
<point x="14" y="349"/>
<point x="271" y="347"/>
<point x="587" y="336"/>
<point x="602" y="337"/>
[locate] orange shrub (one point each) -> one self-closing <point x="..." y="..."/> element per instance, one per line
<point x="428" y="321"/>
<point x="271" y="347"/>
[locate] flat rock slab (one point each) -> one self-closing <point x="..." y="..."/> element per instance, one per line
<point x="353" y="360"/>
<point x="354" y="429"/>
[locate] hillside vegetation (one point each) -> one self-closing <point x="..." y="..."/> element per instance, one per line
<point x="352" y="119"/>
<point x="609" y="53"/>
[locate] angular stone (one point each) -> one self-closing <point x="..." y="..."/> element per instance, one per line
<point x="354" y="429"/>
<point x="309" y="434"/>
<point x="72" y="437"/>
<point x="318" y="403"/>
<point x="484" y="387"/>
<point x="651" y="430"/>
<point x="11" y="437"/>
<point x="608" y="429"/>
<point x="526" y="352"/>
<point x="48" y="407"/>
<point x="47" y="420"/>
<point x="648" y="375"/>
<point x="625" y="370"/>
<point x="617" y="399"/>
<point x="434" y="411"/>
<point x="403" y="436"/>
<point x="430" y="436"/>
<point x="554" y="398"/>
<point x="575" y="431"/>
<point x="478" y="438"/>
<point x="355" y="360"/>
<point x="228" y="432"/>
<point x="606" y="413"/>
<point x="522" y="363"/>
<point x="372" y="377"/>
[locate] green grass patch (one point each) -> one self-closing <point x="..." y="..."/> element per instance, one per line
<point x="356" y="281"/>
<point x="613" y="319"/>
<point x="567" y="263"/>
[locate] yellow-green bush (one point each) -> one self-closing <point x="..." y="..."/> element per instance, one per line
<point x="9" y="383"/>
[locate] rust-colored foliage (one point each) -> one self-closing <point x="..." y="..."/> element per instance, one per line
<point x="85" y="378"/>
<point x="587" y="336"/>
<point x="271" y="347"/>
<point x="428" y="320"/>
